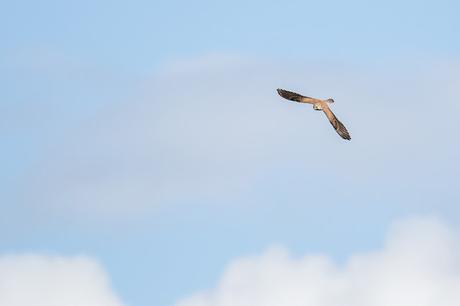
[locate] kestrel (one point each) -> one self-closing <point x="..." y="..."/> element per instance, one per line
<point x="318" y="105"/>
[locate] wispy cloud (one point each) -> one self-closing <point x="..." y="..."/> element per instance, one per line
<point x="207" y="130"/>
<point x="418" y="266"/>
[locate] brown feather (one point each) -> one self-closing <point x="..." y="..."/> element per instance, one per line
<point x="338" y="126"/>
<point x="289" y="95"/>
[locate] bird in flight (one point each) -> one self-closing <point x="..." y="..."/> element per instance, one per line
<point x="318" y="105"/>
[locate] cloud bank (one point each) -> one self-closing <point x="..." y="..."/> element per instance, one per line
<point x="419" y="265"/>
<point x="38" y="280"/>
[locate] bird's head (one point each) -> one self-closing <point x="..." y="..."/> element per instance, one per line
<point x="330" y="100"/>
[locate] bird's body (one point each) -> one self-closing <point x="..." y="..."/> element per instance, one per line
<point x="318" y="104"/>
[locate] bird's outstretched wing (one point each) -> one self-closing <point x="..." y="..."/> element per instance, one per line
<point x="295" y="96"/>
<point x="338" y="126"/>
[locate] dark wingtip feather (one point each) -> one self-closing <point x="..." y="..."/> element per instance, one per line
<point x="343" y="132"/>
<point x="289" y="95"/>
<point x="340" y="128"/>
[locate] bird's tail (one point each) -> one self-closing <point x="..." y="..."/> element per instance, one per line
<point x="330" y="100"/>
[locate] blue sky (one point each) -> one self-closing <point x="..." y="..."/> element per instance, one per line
<point x="149" y="136"/>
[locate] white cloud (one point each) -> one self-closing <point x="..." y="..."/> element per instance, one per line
<point x="39" y="280"/>
<point x="418" y="266"/>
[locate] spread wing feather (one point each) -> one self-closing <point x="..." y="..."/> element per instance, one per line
<point x="295" y="96"/>
<point x="338" y="126"/>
